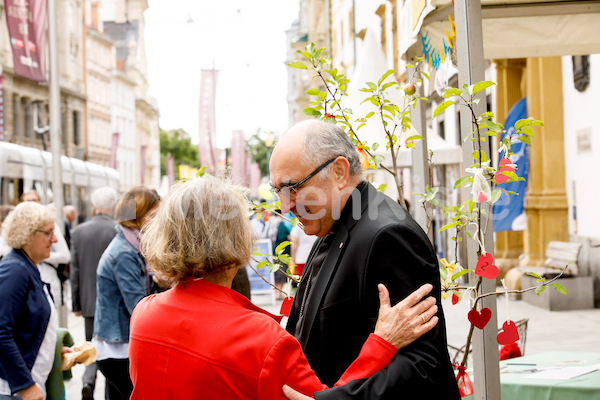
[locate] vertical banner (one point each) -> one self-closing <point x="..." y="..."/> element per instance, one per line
<point x="142" y="163"/>
<point x="26" y="21"/>
<point x="170" y="167"/>
<point x="509" y="213"/>
<point x="113" y="150"/>
<point x="1" y="108"/>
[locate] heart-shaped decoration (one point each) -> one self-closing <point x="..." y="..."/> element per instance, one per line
<point x="286" y="306"/>
<point x="504" y="165"/>
<point x="479" y="319"/>
<point x="509" y="334"/>
<point x="482" y="197"/>
<point x="485" y="267"/>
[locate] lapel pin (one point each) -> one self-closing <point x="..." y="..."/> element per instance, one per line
<point x="341" y="244"/>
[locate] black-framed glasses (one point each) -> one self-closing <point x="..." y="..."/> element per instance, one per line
<point x="47" y="233"/>
<point x="291" y="191"/>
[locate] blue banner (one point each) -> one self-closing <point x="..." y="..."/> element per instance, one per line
<point x="508" y="211"/>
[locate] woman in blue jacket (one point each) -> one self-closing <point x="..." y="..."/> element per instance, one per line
<point x="28" y="318"/>
<point x="121" y="282"/>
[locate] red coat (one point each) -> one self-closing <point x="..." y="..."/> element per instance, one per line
<point x="200" y="340"/>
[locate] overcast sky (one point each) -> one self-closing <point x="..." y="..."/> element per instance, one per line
<point x="244" y="39"/>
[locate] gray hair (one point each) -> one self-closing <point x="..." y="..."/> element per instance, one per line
<point x="104" y="198"/>
<point x="202" y="226"/>
<point x="22" y="223"/>
<point x="324" y="141"/>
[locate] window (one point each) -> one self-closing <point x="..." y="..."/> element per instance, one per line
<point x="76" y="141"/>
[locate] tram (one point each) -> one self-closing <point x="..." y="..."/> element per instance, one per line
<point x="25" y="168"/>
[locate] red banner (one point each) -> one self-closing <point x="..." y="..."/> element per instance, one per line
<point x="1" y="108"/>
<point x="170" y="166"/>
<point x="26" y="21"/>
<point x="113" y="150"/>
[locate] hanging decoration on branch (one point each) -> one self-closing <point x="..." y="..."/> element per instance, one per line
<point x="465" y="387"/>
<point x="479" y="319"/>
<point x="485" y="266"/>
<point x="481" y="190"/>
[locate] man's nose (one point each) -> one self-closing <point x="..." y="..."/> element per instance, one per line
<point x="287" y="204"/>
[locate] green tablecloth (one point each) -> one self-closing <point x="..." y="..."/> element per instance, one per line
<point x="517" y="383"/>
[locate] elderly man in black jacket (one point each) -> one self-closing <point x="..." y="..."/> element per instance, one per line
<point x="88" y="242"/>
<point x="365" y="238"/>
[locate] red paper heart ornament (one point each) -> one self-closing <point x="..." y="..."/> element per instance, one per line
<point x="485" y="266"/>
<point x="286" y="306"/>
<point x="480" y="319"/>
<point x="509" y="334"/>
<point x="504" y="166"/>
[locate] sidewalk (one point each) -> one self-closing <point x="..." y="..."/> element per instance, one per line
<point x="547" y="330"/>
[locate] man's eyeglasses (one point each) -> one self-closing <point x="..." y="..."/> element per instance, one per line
<point x="291" y="191"/>
<point x="47" y="233"/>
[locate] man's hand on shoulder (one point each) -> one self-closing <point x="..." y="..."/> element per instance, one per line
<point x="409" y="319"/>
<point x="292" y="394"/>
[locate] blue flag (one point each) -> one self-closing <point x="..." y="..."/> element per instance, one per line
<point x="508" y="211"/>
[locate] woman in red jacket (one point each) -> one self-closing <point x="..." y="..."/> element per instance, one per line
<point x="203" y="340"/>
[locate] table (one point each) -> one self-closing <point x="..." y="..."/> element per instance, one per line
<point x="518" y="382"/>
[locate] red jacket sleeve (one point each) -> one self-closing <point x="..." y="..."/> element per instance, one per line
<point x="286" y="364"/>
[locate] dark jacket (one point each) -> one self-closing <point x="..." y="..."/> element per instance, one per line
<point x="88" y="242"/>
<point x="24" y="316"/>
<point x="384" y="245"/>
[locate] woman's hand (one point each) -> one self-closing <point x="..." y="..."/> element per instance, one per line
<point x="31" y="393"/>
<point x="292" y="394"/>
<point x="409" y="319"/>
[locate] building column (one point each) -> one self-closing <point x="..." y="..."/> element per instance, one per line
<point x="546" y="200"/>
<point x="510" y="89"/>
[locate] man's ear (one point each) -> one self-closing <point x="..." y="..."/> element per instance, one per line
<point x="341" y="172"/>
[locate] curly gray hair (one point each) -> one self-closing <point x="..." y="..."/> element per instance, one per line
<point x="202" y="226"/>
<point x="22" y="223"/>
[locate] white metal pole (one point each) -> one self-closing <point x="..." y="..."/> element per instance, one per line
<point x="55" y="134"/>
<point x="469" y="43"/>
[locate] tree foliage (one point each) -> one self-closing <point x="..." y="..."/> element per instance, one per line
<point x="178" y="144"/>
<point x="259" y="146"/>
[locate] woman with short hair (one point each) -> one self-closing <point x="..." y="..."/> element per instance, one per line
<point x="28" y="317"/>
<point x="202" y="340"/>
<point x="120" y="284"/>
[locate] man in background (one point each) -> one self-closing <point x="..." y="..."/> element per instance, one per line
<point x="88" y="242"/>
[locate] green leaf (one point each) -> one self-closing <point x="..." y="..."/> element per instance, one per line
<point x="261" y="264"/>
<point x="539" y="289"/>
<point x="496" y="193"/>
<point x="388" y="73"/>
<point x="492" y="126"/>
<point x="313" y="91"/>
<point x="312" y="112"/>
<point x="460" y="273"/>
<point x="201" y="170"/>
<point x="322" y="96"/>
<point x="527" y="122"/>
<point x="387" y="85"/>
<point x="461" y="181"/>
<point x="525" y="139"/>
<point x="559" y="288"/>
<point x="478" y="87"/>
<point x="281" y="247"/>
<point x="439" y="109"/>
<point x="450" y="225"/>
<point x="375" y="146"/>
<point x="294" y="221"/>
<point x="451" y="92"/>
<point x="382" y="188"/>
<point x="298" y="64"/>
<point x="479" y="155"/>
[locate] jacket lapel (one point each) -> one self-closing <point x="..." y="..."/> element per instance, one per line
<point x="331" y="263"/>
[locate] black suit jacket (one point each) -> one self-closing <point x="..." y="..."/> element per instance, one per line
<point x="88" y="242"/>
<point x="376" y="241"/>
